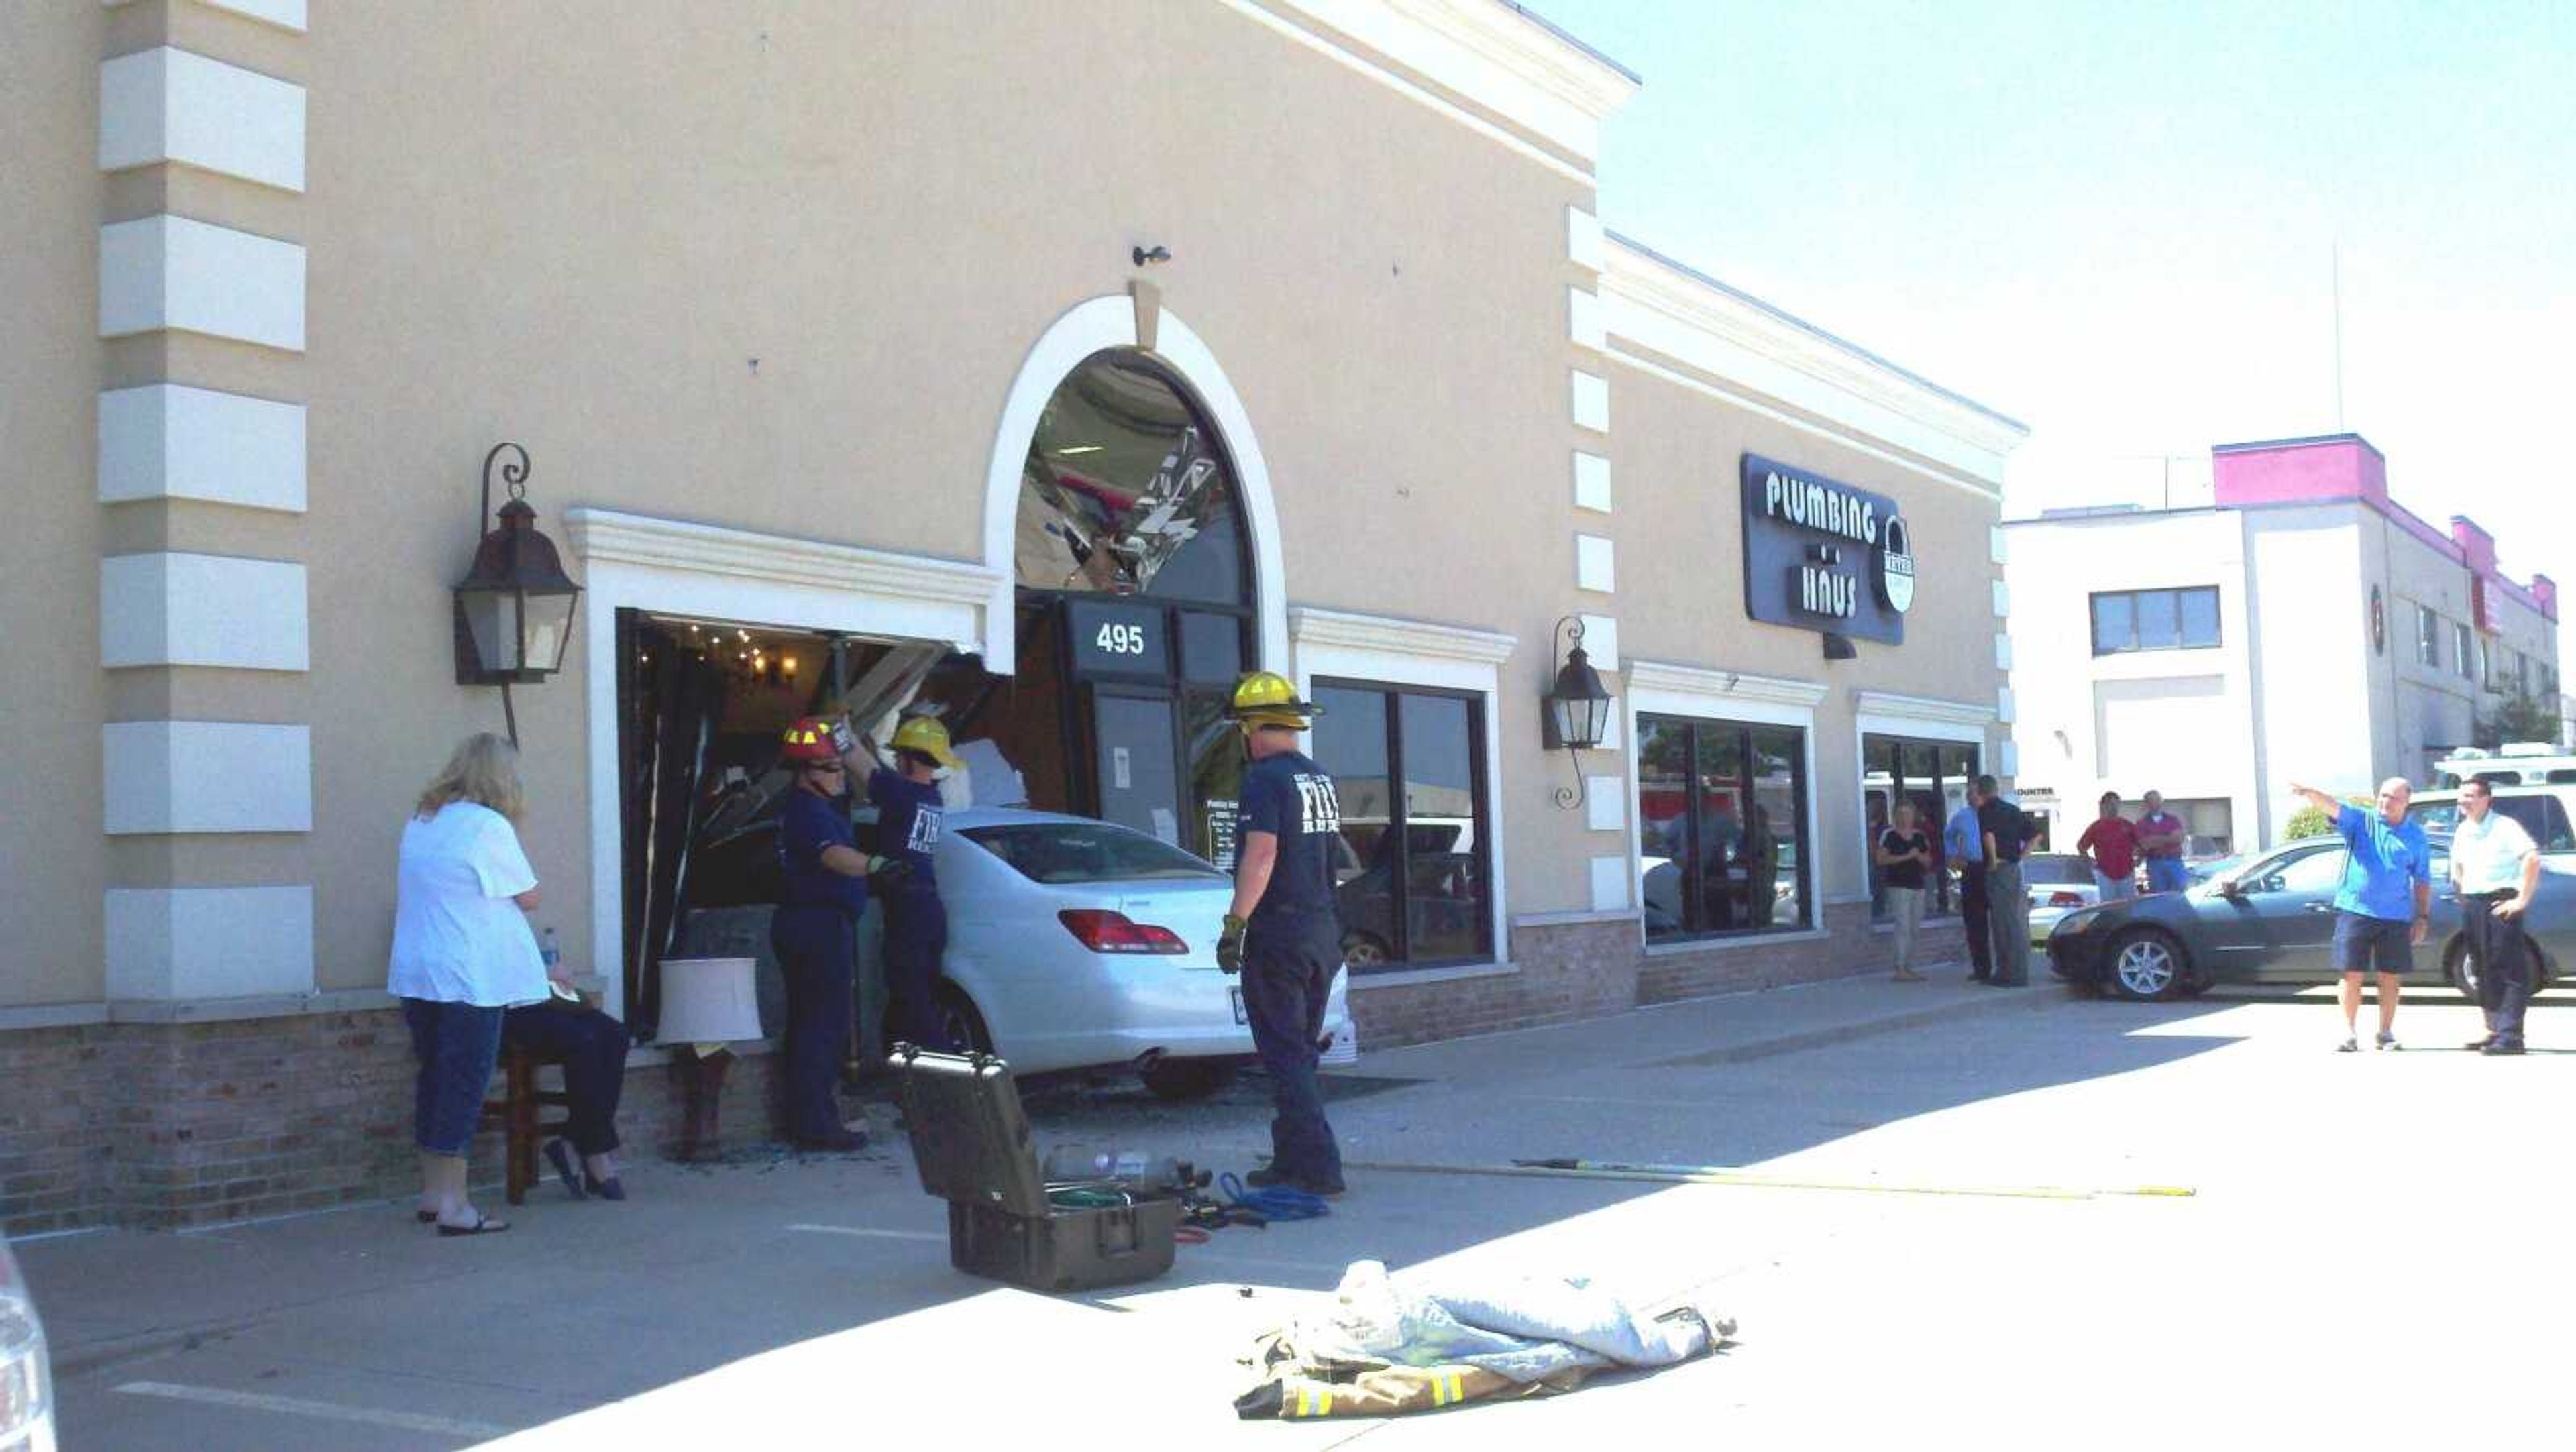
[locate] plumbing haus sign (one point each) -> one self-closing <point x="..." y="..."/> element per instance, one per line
<point x="1824" y="556"/>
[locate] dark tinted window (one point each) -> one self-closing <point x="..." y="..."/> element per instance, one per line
<point x="2056" y="869"/>
<point x="1061" y="852"/>
<point x="1409" y="769"/>
<point x="1722" y="823"/>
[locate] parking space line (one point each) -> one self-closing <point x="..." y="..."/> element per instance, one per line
<point x="863" y="1231"/>
<point x="324" y="1411"/>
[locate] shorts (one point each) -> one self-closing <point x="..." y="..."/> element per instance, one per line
<point x="2362" y="944"/>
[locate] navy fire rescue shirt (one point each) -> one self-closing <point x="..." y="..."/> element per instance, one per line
<point x="1289" y="796"/>
<point x="807" y="825"/>
<point x="908" y="820"/>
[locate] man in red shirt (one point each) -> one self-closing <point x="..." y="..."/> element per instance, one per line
<point x="2110" y="842"/>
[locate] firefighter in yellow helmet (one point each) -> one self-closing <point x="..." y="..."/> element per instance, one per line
<point x="906" y="797"/>
<point x="1282" y="932"/>
<point x="824" y="891"/>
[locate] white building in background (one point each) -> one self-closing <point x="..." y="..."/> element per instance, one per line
<point x="2303" y="626"/>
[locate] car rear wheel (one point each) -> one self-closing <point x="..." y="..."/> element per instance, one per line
<point x="2147" y="964"/>
<point x="960" y="1024"/>
<point x="1364" y="950"/>
<point x="1179" y="1079"/>
<point x="2463" y="970"/>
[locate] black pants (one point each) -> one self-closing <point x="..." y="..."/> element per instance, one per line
<point x="2504" y="964"/>
<point x="916" y="937"/>
<point x="1286" y="980"/>
<point x="1972" y="916"/>
<point x="593" y="1049"/>
<point x="814" y="947"/>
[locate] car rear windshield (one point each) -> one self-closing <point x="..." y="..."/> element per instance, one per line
<point x="2056" y="869"/>
<point x="2539" y="813"/>
<point x="1056" y="852"/>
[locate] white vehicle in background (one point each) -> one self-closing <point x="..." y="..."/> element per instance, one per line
<point x="26" y="1380"/>
<point x="2516" y="763"/>
<point x="1076" y="943"/>
<point x="2056" y="883"/>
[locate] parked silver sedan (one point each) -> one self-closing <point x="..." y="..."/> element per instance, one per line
<point x="1076" y="943"/>
<point x="2057" y="883"/>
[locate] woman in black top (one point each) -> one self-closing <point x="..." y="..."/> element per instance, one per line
<point x="1904" y="854"/>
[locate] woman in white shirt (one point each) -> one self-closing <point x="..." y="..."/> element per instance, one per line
<point x="463" y="953"/>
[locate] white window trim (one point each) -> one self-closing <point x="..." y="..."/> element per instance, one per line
<point x="630" y="561"/>
<point x="1659" y="688"/>
<point x="1924" y="718"/>
<point x="1389" y="651"/>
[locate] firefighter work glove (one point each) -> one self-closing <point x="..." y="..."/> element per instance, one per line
<point x="1229" y="945"/>
<point x="887" y="871"/>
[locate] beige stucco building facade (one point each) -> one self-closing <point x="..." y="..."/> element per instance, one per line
<point x="778" y="301"/>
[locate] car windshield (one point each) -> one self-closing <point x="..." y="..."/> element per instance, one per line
<point x="1059" y="852"/>
<point x="2054" y="868"/>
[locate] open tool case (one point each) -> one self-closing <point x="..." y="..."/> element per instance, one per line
<point x="974" y="1148"/>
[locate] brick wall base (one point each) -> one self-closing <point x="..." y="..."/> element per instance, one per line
<point x="1567" y="971"/>
<point x="164" y="1126"/>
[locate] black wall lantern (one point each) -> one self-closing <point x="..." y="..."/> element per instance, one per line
<point x="1577" y="714"/>
<point x="514" y="608"/>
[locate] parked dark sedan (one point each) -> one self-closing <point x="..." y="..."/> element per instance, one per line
<point x="2270" y="919"/>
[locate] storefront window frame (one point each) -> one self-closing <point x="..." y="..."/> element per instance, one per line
<point x="1943" y="902"/>
<point x="1696" y="721"/>
<point x="1481" y="797"/>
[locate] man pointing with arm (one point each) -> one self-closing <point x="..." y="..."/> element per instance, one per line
<point x="2385" y="904"/>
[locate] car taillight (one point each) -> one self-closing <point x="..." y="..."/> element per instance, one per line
<point x="2065" y="899"/>
<point x="1103" y="931"/>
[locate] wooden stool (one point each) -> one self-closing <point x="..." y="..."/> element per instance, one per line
<point x="518" y="1109"/>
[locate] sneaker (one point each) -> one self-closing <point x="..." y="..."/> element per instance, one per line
<point x="2386" y="1040"/>
<point x="2348" y="1046"/>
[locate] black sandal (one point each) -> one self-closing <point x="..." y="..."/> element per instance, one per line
<point x="483" y="1225"/>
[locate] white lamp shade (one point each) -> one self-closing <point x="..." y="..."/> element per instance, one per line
<point x="708" y="1001"/>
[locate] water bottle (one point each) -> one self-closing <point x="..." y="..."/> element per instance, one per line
<point x="551" y="951"/>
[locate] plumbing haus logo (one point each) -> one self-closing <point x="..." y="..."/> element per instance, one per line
<point x="1822" y="555"/>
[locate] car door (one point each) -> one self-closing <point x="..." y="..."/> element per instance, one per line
<point x="2295" y="903"/>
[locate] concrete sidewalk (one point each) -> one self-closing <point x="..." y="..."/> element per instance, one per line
<point x="711" y="1268"/>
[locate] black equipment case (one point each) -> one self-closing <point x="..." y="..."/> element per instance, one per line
<point x="974" y="1148"/>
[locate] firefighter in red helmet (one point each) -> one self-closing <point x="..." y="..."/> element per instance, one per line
<point x="824" y="890"/>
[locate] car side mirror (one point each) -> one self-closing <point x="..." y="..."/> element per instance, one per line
<point x="2231" y="889"/>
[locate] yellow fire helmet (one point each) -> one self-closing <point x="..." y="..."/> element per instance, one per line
<point x="925" y="735"/>
<point x="1266" y="698"/>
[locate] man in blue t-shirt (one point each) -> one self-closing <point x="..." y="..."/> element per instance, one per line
<point x="1282" y="932"/>
<point x="909" y="816"/>
<point x="2385" y="905"/>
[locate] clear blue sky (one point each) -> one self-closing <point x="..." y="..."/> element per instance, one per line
<point x="2117" y="224"/>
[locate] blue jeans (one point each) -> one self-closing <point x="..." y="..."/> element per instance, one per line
<point x="457" y="1044"/>
<point x="814" y="947"/>
<point x="2165" y="874"/>
<point x="1285" y="984"/>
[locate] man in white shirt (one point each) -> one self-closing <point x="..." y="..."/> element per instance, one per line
<point x="2495" y="869"/>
